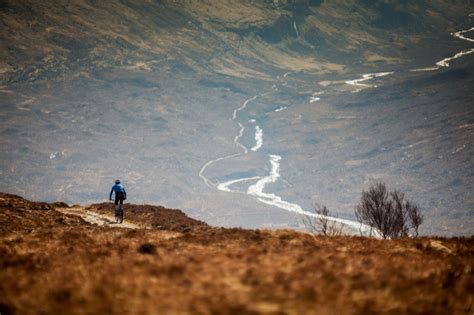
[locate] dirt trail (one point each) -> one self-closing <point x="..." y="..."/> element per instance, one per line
<point x="98" y="219"/>
<point x="109" y="221"/>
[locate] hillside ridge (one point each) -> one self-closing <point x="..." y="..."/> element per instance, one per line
<point x="54" y="262"/>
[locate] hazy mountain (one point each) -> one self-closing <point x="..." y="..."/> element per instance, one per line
<point x="161" y="94"/>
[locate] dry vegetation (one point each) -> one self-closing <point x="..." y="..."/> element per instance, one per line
<point x="154" y="216"/>
<point x="389" y="212"/>
<point x="54" y="263"/>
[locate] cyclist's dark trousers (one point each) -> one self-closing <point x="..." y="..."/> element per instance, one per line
<point x="119" y="198"/>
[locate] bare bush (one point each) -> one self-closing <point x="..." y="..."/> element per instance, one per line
<point x="321" y="223"/>
<point x="389" y="213"/>
<point x="416" y="218"/>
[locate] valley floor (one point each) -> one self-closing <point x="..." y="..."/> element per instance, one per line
<point x="56" y="262"/>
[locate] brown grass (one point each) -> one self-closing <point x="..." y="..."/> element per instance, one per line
<point x="155" y="216"/>
<point x="76" y="268"/>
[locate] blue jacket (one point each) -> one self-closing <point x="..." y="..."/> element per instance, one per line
<point x="118" y="188"/>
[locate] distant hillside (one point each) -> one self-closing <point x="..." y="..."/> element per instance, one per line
<point x="56" y="263"/>
<point x="54" y="40"/>
<point x="172" y="96"/>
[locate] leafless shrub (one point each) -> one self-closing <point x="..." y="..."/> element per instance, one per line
<point x="321" y="223"/>
<point x="390" y="213"/>
<point x="416" y="218"/>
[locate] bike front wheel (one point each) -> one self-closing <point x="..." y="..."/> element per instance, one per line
<point x="120" y="217"/>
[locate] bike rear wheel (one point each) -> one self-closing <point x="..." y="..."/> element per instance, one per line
<point x="119" y="216"/>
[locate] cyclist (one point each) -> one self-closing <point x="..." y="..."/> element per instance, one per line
<point x="120" y="196"/>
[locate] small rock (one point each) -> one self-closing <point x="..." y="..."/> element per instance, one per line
<point x="186" y="229"/>
<point x="439" y="247"/>
<point x="147" y="248"/>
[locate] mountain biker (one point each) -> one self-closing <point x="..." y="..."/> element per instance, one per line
<point x="120" y="195"/>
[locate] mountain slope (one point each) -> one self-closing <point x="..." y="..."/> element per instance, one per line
<point x="56" y="40"/>
<point x="145" y="91"/>
<point x="56" y="263"/>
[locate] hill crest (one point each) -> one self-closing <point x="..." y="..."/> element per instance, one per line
<point x="57" y="263"/>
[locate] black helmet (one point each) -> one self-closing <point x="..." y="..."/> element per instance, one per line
<point x="117" y="181"/>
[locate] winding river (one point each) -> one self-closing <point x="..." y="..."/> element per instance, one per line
<point x="257" y="184"/>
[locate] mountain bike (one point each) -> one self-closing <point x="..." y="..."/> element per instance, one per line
<point x="119" y="215"/>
